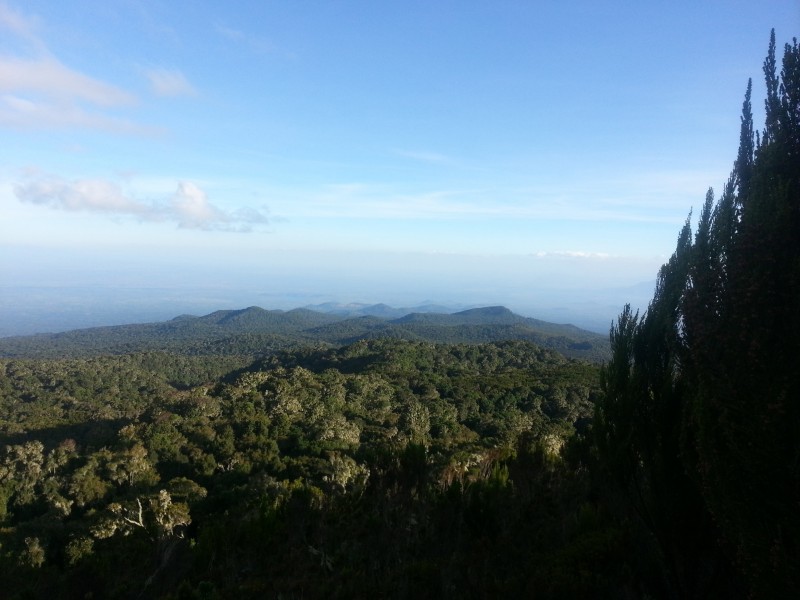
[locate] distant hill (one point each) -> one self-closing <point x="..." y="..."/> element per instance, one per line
<point x="257" y="331"/>
<point x="355" y="309"/>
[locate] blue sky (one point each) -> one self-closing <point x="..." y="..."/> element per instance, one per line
<point x="534" y="154"/>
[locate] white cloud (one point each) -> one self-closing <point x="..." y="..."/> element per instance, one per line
<point x="49" y="77"/>
<point x="191" y="207"/>
<point x="188" y="207"/>
<point x="38" y="91"/>
<point x="26" y="113"/>
<point x="20" y="25"/>
<point x="91" y="195"/>
<point x="169" y="82"/>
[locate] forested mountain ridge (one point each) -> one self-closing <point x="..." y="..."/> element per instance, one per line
<point x="256" y="331"/>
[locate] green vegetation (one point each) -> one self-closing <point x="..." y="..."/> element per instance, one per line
<point x="263" y="454"/>
<point x="700" y="422"/>
<point x="255" y="332"/>
<point x="384" y="468"/>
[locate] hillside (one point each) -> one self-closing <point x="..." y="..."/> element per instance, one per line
<point x="256" y="331"/>
<point x="286" y="477"/>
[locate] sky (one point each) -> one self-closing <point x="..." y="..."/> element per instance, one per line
<point x="170" y="155"/>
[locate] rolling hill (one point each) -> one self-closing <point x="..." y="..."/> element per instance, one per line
<point x="257" y="331"/>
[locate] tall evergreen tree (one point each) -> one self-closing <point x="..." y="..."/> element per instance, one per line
<point x="745" y="408"/>
<point x="639" y="432"/>
<point x="712" y="385"/>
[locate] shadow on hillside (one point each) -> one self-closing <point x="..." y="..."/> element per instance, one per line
<point x="93" y="434"/>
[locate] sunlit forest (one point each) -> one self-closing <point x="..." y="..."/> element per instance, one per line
<point x="436" y="458"/>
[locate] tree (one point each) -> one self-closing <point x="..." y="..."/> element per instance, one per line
<point x="21" y="471"/>
<point x="745" y="354"/>
<point x="132" y="467"/>
<point x="700" y="418"/>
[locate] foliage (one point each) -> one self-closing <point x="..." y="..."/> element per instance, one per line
<point x="700" y="422"/>
<point x="384" y="468"/>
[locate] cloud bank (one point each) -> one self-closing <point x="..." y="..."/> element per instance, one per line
<point x="188" y="207"/>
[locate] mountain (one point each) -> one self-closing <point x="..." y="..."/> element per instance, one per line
<point x="495" y="315"/>
<point x="385" y="311"/>
<point x="257" y="331"/>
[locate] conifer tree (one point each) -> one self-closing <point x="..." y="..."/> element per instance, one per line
<point x="712" y="381"/>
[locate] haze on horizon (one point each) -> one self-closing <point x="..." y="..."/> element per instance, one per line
<point x="177" y="156"/>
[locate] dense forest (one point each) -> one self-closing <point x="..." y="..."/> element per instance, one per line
<point x="385" y="467"/>
<point x="432" y="456"/>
